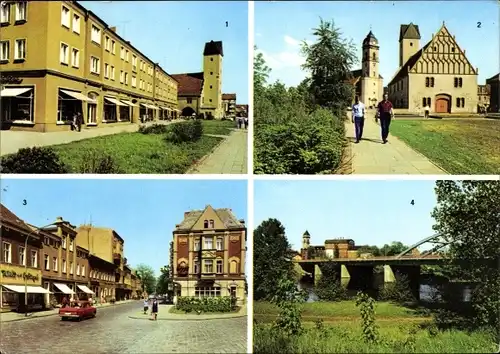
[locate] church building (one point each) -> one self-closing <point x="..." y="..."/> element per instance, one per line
<point x="200" y="93"/>
<point x="368" y="83"/>
<point x="437" y="74"/>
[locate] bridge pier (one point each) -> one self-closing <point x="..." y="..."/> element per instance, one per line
<point x="395" y="273"/>
<point x="317" y="274"/>
<point x="345" y="276"/>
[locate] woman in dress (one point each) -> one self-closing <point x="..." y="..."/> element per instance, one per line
<point x="154" y="309"/>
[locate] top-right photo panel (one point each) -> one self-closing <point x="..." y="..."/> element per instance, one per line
<point x="377" y="87"/>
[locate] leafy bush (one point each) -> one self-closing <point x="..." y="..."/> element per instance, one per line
<point x="328" y="287"/>
<point x="367" y="310"/>
<point x="93" y="163"/>
<point x="33" y="160"/>
<point x="154" y="129"/>
<point x="309" y="145"/>
<point x="206" y="304"/>
<point x="184" y="132"/>
<point x="397" y="291"/>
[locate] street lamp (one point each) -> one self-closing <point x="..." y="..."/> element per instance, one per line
<point x="36" y="230"/>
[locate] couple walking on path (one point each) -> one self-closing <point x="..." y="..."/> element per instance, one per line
<point x="154" y="308"/>
<point x="384" y="113"/>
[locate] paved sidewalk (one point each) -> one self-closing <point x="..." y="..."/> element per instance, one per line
<point x="14" y="316"/>
<point x="370" y="156"/>
<point x="164" y="314"/>
<point x="230" y="157"/>
<point x="12" y="141"/>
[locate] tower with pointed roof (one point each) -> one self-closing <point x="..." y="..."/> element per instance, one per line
<point x="306" y="240"/>
<point x="371" y="81"/>
<point x="409" y="42"/>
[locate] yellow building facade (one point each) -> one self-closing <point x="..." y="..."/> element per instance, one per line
<point x="438" y="74"/>
<point x="59" y="59"/>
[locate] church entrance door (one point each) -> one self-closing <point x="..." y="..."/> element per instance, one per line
<point x="443" y="104"/>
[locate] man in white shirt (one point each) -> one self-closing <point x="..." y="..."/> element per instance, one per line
<point x="358" y="118"/>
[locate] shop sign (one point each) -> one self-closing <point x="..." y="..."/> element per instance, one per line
<point x="24" y="275"/>
<point x="10" y="80"/>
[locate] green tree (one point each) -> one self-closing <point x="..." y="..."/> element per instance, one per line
<point x="329" y="61"/>
<point x="468" y="217"/>
<point x="328" y="287"/>
<point x="147" y="276"/>
<point x="260" y="71"/>
<point x="163" y="280"/>
<point x="272" y="259"/>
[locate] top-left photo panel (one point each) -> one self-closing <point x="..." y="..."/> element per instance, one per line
<point x="124" y="87"/>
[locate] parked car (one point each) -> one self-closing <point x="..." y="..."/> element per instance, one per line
<point x="80" y="310"/>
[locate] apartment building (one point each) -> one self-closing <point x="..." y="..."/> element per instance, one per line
<point x="58" y="59"/>
<point x="209" y="248"/>
<point x="229" y="105"/>
<point x="20" y="261"/>
<point x="65" y="266"/>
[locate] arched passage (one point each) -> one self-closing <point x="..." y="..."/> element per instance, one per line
<point x="188" y="112"/>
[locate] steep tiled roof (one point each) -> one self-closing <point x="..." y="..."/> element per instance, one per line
<point x="410" y="31"/>
<point x="229" y="96"/>
<point x="9" y="217"/>
<point x="226" y="216"/>
<point x="189" y="84"/>
<point x="213" y="48"/>
<point x="409" y="64"/>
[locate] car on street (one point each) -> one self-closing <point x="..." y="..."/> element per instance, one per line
<point x="80" y="310"/>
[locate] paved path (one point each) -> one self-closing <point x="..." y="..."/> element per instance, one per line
<point x="166" y="315"/>
<point x="230" y="157"/>
<point x="370" y="156"/>
<point x="112" y="331"/>
<point x="11" y="141"/>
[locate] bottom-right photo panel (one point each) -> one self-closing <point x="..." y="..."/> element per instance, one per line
<point x="376" y="266"/>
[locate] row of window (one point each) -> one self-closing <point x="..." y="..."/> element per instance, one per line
<point x="7" y="255"/>
<point x="21" y="9"/>
<point x="80" y="269"/>
<point x="19" y="50"/>
<point x="109" y="44"/>
<point x="208" y="266"/>
<point x="429" y="82"/>
<point x="457" y="82"/>
<point x="208" y="243"/>
<point x="49" y="242"/>
<point x="94" y="274"/>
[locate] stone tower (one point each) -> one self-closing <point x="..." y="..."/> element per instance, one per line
<point x="370" y="77"/>
<point x="212" y="79"/>
<point x="409" y="42"/>
<point x="306" y="240"/>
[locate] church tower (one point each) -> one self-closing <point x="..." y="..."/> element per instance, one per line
<point x="212" y="79"/>
<point x="371" y="83"/>
<point x="409" y="42"/>
<point x="306" y="242"/>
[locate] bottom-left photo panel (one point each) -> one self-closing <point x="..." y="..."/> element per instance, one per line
<point x="123" y="265"/>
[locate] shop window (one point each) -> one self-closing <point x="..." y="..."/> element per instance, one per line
<point x="125" y="113"/>
<point x="109" y="112"/>
<point x="17" y="104"/>
<point x="67" y="107"/>
<point x="92" y="110"/>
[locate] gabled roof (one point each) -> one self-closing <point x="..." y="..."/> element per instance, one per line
<point x="306" y="233"/>
<point x="189" y="83"/>
<point x="213" y="48"/>
<point x="225" y="215"/>
<point x="9" y="217"/>
<point x="410" y="31"/>
<point x="493" y="78"/>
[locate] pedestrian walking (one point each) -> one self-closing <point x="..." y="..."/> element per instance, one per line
<point x="79" y="121"/>
<point x="240" y="122"/>
<point x="426" y="111"/>
<point x="154" y="309"/>
<point x="246" y="122"/>
<point x="146" y="306"/>
<point x="385" y="113"/>
<point x="358" y="118"/>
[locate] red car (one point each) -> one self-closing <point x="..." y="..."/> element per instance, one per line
<point x="81" y="309"/>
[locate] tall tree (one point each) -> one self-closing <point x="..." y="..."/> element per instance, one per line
<point x="468" y="217"/>
<point x="260" y="70"/>
<point x="272" y="258"/>
<point x="329" y="61"/>
<point x="147" y="276"/>
<point x="163" y="280"/>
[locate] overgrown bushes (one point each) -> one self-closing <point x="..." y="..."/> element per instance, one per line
<point x="154" y="129"/>
<point x="41" y="160"/>
<point x="93" y="163"/>
<point x="184" y="132"/>
<point x="206" y="304"/>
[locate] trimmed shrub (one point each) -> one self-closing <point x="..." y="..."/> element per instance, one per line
<point x="185" y="132"/>
<point x="154" y="129"/>
<point x="206" y="304"/>
<point x="33" y="160"/>
<point x="92" y="163"/>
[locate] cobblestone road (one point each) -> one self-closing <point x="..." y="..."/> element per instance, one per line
<point x="113" y="332"/>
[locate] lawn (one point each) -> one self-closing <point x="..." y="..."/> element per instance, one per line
<point x="460" y="146"/>
<point x="339" y="331"/>
<point x="136" y="153"/>
<point x="218" y="127"/>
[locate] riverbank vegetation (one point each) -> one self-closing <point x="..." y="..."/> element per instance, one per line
<point x="300" y="130"/>
<point x="466" y="215"/>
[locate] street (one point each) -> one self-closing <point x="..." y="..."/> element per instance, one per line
<point x="112" y="331"/>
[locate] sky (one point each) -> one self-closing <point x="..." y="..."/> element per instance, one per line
<point x="143" y="212"/>
<point x="174" y="33"/>
<point x="369" y="212"/>
<point x="280" y="27"/>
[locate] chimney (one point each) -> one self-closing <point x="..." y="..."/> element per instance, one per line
<point x="242" y="221"/>
<point x="113" y="28"/>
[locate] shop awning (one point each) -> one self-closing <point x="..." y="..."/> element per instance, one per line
<point x="13" y="91"/>
<point x="64" y="288"/>
<point x="78" y="96"/>
<point x="114" y="101"/>
<point x="165" y="108"/>
<point x="30" y="289"/>
<point x="85" y="289"/>
<point x="129" y="103"/>
<point x="150" y="106"/>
